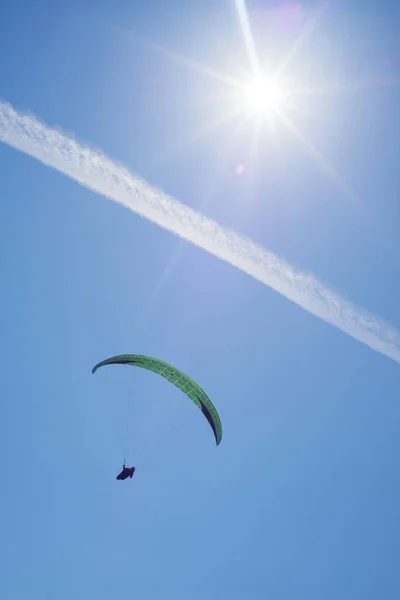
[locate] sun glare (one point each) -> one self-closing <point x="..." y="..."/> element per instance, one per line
<point x="262" y="96"/>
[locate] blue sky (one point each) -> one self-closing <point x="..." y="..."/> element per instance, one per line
<point x="301" y="499"/>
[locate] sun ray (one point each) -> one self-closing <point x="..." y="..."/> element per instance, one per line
<point x="188" y="62"/>
<point x="178" y="252"/>
<point x="248" y="37"/>
<point x="343" y="87"/>
<point x="302" y="38"/>
<point x="197" y="135"/>
<point x="371" y="218"/>
<point x="323" y="163"/>
<point x="255" y="140"/>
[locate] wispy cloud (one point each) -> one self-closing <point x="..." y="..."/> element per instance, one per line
<point x="100" y="174"/>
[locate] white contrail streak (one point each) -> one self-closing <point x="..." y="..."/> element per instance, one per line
<point x="102" y="175"/>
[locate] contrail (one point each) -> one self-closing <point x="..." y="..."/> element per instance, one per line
<point x="100" y="174"/>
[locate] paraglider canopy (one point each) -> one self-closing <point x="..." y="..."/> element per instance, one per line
<point x="179" y="379"/>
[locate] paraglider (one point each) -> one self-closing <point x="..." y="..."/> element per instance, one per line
<point x="179" y="379"/>
<point x="126" y="472"/>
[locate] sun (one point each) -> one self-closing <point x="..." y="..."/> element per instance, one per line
<point x="262" y="96"/>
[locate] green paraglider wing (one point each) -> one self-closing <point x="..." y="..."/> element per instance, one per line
<point x="179" y="379"/>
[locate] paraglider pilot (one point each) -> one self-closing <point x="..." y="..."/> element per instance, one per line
<point x="126" y="472"/>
